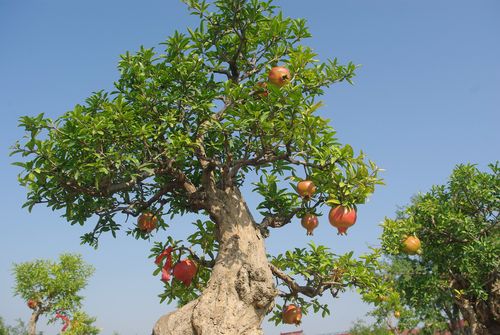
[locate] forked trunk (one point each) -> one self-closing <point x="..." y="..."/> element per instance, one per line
<point x="241" y="289"/>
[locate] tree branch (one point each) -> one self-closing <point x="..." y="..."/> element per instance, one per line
<point x="197" y="259"/>
<point x="308" y="291"/>
<point x="280" y="220"/>
<point x="208" y="164"/>
<point x="269" y="156"/>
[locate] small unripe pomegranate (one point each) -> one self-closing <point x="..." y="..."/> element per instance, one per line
<point x="185" y="271"/>
<point x="382" y="298"/>
<point x="411" y="245"/>
<point x="292" y="314"/>
<point x="342" y="218"/>
<point x="310" y="222"/>
<point x="279" y="76"/>
<point x="397" y="314"/>
<point x="306" y="189"/>
<point x="147" y="222"/>
<point x="261" y="89"/>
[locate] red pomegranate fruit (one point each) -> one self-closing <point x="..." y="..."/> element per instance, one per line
<point x="32" y="303"/>
<point x="279" y="76"/>
<point x="342" y="218"/>
<point x="292" y="314"/>
<point x="411" y="245"/>
<point x="185" y="270"/>
<point x="306" y="189"/>
<point x="310" y="222"/>
<point x="147" y="222"/>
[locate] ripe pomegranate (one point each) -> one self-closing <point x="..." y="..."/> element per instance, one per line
<point x="185" y="271"/>
<point x="306" y="189"/>
<point x="310" y="222"/>
<point x="411" y="245"/>
<point x="292" y="314"/>
<point x="279" y="76"/>
<point x="32" y="303"/>
<point x="342" y="218"/>
<point x="147" y="222"/>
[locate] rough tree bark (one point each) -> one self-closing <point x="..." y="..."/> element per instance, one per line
<point x="488" y="311"/>
<point x="483" y="316"/>
<point x="241" y="289"/>
<point x="32" y="323"/>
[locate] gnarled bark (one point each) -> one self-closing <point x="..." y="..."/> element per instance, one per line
<point x="483" y="316"/>
<point x="488" y="311"/>
<point x="241" y="289"/>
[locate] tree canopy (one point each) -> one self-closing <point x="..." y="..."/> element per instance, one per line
<point x="82" y="324"/>
<point x="186" y="120"/>
<point x="49" y="287"/>
<point x="182" y="131"/>
<point x="456" y="275"/>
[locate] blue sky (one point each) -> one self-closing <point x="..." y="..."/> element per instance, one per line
<point x="427" y="97"/>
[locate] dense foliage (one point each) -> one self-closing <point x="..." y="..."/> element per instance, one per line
<point x="53" y="285"/>
<point x="456" y="275"/>
<point x="49" y="287"/>
<point x="82" y="324"/>
<point x="190" y="122"/>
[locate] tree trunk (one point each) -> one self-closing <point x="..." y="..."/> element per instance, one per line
<point x="32" y="324"/>
<point x="483" y="316"/>
<point x="488" y="311"/>
<point x="241" y="290"/>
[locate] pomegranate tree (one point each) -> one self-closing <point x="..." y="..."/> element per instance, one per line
<point x="443" y="252"/>
<point x="180" y="133"/>
<point x="46" y="285"/>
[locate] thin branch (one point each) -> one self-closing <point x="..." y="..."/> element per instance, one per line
<point x="202" y="261"/>
<point x="268" y="156"/>
<point x="280" y="220"/>
<point x="208" y="164"/>
<point x="295" y="288"/>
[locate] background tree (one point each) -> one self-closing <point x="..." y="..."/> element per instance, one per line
<point x="423" y="304"/>
<point x="82" y="324"/>
<point x="457" y="273"/>
<point x="3" y="328"/>
<point x="49" y="286"/>
<point x="362" y="328"/>
<point x="182" y="132"/>
<point x="19" y="329"/>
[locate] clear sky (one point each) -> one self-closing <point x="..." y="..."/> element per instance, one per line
<point x="427" y="97"/>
